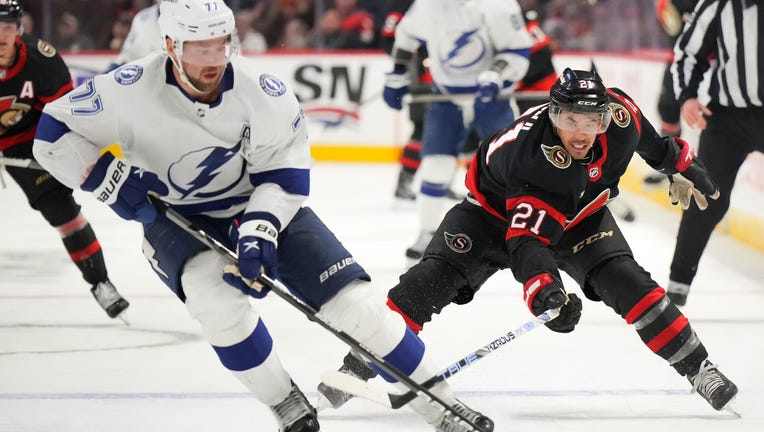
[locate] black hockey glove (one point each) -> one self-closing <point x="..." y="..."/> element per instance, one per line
<point x="544" y="292"/>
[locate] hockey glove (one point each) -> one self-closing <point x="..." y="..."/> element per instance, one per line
<point x="397" y="85"/>
<point x="544" y="292"/>
<point x="257" y="247"/>
<point x="250" y="287"/>
<point x="694" y="180"/>
<point x="124" y="188"/>
<point x="489" y="83"/>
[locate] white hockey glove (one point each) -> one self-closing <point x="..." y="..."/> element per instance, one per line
<point x="681" y="191"/>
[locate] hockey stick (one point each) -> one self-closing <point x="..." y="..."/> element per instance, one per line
<point x="361" y="388"/>
<point x="440" y="97"/>
<point x="21" y="163"/>
<point x="312" y="314"/>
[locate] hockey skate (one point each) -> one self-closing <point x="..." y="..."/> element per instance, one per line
<point x="416" y="251"/>
<point x="403" y="188"/>
<point x="654" y="180"/>
<point x="295" y="414"/>
<point x="677" y="292"/>
<point x="330" y="396"/>
<point x="110" y="300"/>
<point x="713" y="386"/>
<point x="451" y="423"/>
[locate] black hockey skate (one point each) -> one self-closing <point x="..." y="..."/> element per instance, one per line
<point x="295" y="413"/>
<point x="403" y="188"/>
<point x="416" y="251"/>
<point x="352" y="366"/>
<point x="452" y="423"/>
<point x="109" y="299"/>
<point x="715" y="388"/>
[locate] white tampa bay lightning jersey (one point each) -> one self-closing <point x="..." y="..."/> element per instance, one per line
<point x="209" y="155"/>
<point x="144" y="36"/>
<point x="464" y="37"/>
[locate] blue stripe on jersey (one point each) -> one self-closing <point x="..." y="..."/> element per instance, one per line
<point x="49" y="129"/>
<point x="249" y="353"/>
<point x="523" y="52"/>
<point x="406" y="356"/>
<point x="222" y="204"/>
<point x="261" y="215"/>
<point x="292" y="180"/>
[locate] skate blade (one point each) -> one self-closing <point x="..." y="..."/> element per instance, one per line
<point x="732" y="408"/>
<point x="123" y="317"/>
<point x="322" y="403"/>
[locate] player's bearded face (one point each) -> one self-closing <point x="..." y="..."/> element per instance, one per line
<point x="204" y="61"/>
<point x="577" y="131"/>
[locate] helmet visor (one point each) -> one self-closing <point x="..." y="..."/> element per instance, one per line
<point x="581" y="122"/>
<point x="213" y="52"/>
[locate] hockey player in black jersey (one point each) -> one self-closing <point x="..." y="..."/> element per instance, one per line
<point x="31" y="75"/>
<point x="538" y="191"/>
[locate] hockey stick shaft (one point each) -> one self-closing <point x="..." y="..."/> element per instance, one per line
<point x="21" y="163"/>
<point x="363" y="389"/>
<point x="312" y="314"/>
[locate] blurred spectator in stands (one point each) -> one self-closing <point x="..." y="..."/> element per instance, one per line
<point x="68" y="36"/>
<point x="119" y="30"/>
<point x="294" y="36"/>
<point x="358" y="22"/>
<point x="250" y="40"/>
<point x="275" y="15"/>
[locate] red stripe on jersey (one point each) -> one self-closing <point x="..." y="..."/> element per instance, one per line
<point x="62" y="91"/>
<point x="86" y="252"/>
<point x="409" y="322"/>
<point x="636" y="115"/>
<point x="590" y="208"/>
<point x="21" y="137"/>
<point x="669" y="333"/>
<point x="21" y="60"/>
<point x="471" y="181"/>
<point x="646" y="303"/>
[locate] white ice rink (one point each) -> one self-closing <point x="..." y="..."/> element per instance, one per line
<point x="66" y="367"/>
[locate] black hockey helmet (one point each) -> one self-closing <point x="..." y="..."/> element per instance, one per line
<point x="582" y="92"/>
<point x="10" y="11"/>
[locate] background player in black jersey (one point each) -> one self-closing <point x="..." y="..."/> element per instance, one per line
<point x="538" y="191"/>
<point x="31" y="75"/>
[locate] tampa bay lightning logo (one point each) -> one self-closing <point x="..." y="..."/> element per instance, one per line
<point x="128" y="74"/>
<point x="207" y="172"/>
<point x="272" y="85"/>
<point x="467" y="50"/>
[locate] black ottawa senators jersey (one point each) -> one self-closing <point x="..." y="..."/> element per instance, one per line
<point x="38" y="76"/>
<point x="523" y="175"/>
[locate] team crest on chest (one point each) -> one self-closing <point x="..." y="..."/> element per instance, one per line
<point x="128" y="74"/>
<point x="557" y="156"/>
<point x="11" y="112"/>
<point x="620" y="115"/>
<point x="459" y="243"/>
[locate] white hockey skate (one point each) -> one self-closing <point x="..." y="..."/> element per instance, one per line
<point x="295" y="413"/>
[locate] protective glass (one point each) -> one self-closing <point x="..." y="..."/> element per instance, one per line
<point x="213" y="52"/>
<point x="587" y="123"/>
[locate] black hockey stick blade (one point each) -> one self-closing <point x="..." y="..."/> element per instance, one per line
<point x="311" y="313"/>
<point x="358" y="387"/>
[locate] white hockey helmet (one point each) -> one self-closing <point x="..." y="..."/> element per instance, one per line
<point x="195" y="20"/>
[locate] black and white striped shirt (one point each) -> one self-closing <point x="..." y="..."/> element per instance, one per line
<point x="725" y="34"/>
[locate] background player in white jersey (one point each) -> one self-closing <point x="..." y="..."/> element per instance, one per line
<point x="226" y="145"/>
<point x="143" y="38"/>
<point x="476" y="48"/>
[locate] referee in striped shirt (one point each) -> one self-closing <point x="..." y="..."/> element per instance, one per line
<point x="724" y="35"/>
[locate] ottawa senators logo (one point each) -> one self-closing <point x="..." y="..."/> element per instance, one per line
<point x="11" y="112"/>
<point x="459" y="243"/>
<point x="620" y="115"/>
<point x="45" y="48"/>
<point x="557" y="155"/>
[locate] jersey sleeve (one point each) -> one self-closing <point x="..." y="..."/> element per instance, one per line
<point x="57" y="79"/>
<point x="73" y="130"/>
<point x="278" y="158"/>
<point x="511" y="40"/>
<point x="409" y="33"/>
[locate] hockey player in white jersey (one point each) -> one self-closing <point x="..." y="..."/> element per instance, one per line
<point x="477" y="50"/>
<point x="226" y="145"/>
<point x="143" y="38"/>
